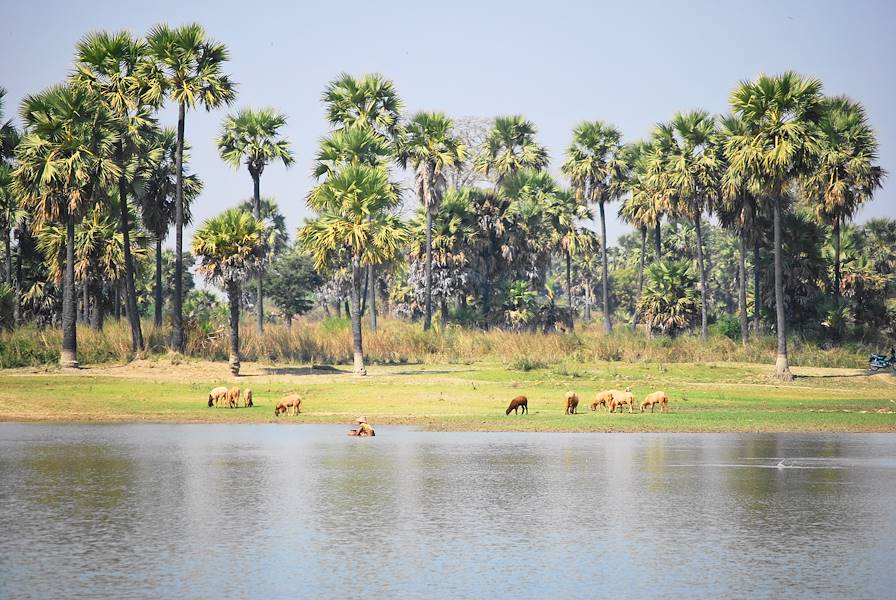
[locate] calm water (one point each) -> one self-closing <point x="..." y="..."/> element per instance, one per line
<point x="206" y="511"/>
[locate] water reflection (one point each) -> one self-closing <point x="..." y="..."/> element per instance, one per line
<point x="273" y="511"/>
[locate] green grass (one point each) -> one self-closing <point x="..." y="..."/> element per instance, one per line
<point x="704" y="397"/>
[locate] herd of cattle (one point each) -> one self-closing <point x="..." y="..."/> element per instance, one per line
<point x="291" y="404"/>
<point x="609" y="399"/>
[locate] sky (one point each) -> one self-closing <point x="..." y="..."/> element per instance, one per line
<point x="631" y="64"/>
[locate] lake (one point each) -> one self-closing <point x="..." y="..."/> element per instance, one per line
<point x="270" y="511"/>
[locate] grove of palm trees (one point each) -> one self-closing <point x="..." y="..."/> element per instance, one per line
<point x="431" y="239"/>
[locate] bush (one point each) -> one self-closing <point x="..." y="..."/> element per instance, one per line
<point x="728" y="326"/>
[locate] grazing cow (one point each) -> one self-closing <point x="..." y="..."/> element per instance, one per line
<point x="248" y="401"/>
<point x="656" y="398"/>
<point x="233" y="397"/>
<point x="518" y="403"/>
<point x="621" y="399"/>
<point x="603" y="399"/>
<point x="293" y="403"/>
<point x="280" y="409"/>
<point x="217" y="395"/>
<point x="572" y="402"/>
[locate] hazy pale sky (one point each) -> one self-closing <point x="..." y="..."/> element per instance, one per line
<point x="558" y="63"/>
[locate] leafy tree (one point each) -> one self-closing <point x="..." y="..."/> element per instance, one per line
<point x="353" y="206"/>
<point x="670" y="302"/>
<point x="292" y="283"/>
<point x="189" y="69"/>
<point x="692" y="174"/>
<point x="596" y="166"/>
<point x="231" y="249"/>
<point x="510" y="147"/>
<point x="253" y="137"/>
<point x="431" y="149"/>
<point x="843" y="175"/>
<point x="61" y="160"/>
<point x="782" y="114"/>
<point x="157" y="194"/>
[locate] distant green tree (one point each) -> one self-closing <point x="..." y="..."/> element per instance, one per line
<point x="291" y="283"/>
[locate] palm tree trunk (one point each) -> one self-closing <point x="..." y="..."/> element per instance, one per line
<point x="158" y="283"/>
<point x="130" y="291"/>
<point x="364" y="291"/>
<point x="371" y="276"/>
<point x="117" y="303"/>
<point x="85" y="301"/>
<point x="742" y="286"/>
<point x="641" y="261"/>
<point x="837" y="261"/>
<point x="703" y="320"/>
<point x="757" y="300"/>
<point x="17" y="308"/>
<point x="427" y="317"/>
<point x="68" y="358"/>
<point x="782" y="369"/>
<point x="233" y="298"/>
<point x="443" y="304"/>
<point x="177" y="320"/>
<point x="96" y="317"/>
<point x="8" y="247"/>
<point x="338" y="309"/>
<point x="259" y="300"/>
<point x="588" y="285"/>
<point x="357" y="342"/>
<point x="608" y="325"/>
<point x="657" y="242"/>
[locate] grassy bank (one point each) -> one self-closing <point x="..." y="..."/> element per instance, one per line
<point x="399" y="342"/>
<point x="704" y="397"/>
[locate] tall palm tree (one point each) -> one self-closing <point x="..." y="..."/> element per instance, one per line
<point x="368" y="102"/>
<point x="692" y="167"/>
<point x="191" y="72"/>
<point x="231" y="249"/>
<point x="354" y="219"/>
<point x="782" y="114"/>
<point x="157" y="193"/>
<point x="253" y="137"/>
<point x="843" y="175"/>
<point x="642" y="208"/>
<point x="61" y="161"/>
<point x="354" y="146"/>
<point x="431" y="148"/>
<point x="510" y="147"/>
<point x="597" y="170"/>
<point x="115" y="68"/>
<point x="11" y="213"/>
<point x="737" y="207"/>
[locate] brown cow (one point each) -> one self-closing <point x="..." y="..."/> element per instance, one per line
<point x="518" y="403"/>
<point x="218" y="394"/>
<point x="248" y="400"/>
<point x="572" y="402"/>
<point x="621" y="399"/>
<point x="603" y="399"/>
<point x="293" y="403"/>
<point x="655" y="398"/>
<point x="280" y="409"/>
<point x="233" y="397"/>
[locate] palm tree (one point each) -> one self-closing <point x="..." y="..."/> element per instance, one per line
<point x="843" y="175"/>
<point x="354" y="207"/>
<point x="510" y="147"/>
<point x="563" y="212"/>
<point x="157" y="192"/>
<point x="61" y="161"/>
<point x="431" y="148"/>
<point x="597" y="170"/>
<point x="692" y="168"/>
<point x="191" y="69"/>
<point x="782" y="115"/>
<point x="11" y="213"/>
<point x="642" y="208"/>
<point x="353" y="146"/>
<point x="253" y="137"/>
<point x="737" y="207"/>
<point x="231" y="249"/>
<point x="368" y="102"/>
<point x="115" y="68"/>
<point x="669" y="302"/>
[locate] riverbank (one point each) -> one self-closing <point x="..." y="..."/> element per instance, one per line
<point x="703" y="397"/>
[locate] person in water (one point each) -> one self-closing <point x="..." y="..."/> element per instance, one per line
<point x="364" y="429"/>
